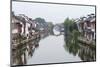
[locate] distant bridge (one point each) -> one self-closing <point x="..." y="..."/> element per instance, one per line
<point x="59" y="27"/>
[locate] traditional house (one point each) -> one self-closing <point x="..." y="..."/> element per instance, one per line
<point x="20" y="25"/>
<point x="16" y="26"/>
<point x="87" y="26"/>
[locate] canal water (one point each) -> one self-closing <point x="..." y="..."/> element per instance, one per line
<point x="51" y="50"/>
<point x="53" y="47"/>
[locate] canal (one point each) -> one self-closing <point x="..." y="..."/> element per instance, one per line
<point x="51" y="50"/>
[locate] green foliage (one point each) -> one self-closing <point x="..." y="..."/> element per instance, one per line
<point x="40" y="20"/>
<point x="50" y="27"/>
<point x="71" y="37"/>
<point x="68" y="22"/>
<point x="70" y="25"/>
<point x="41" y="23"/>
<point x="72" y="42"/>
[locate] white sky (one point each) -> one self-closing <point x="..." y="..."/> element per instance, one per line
<point x="55" y="13"/>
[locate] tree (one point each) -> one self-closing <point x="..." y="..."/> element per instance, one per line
<point x="71" y="36"/>
<point x="50" y="27"/>
<point x="70" y="25"/>
<point x="40" y="20"/>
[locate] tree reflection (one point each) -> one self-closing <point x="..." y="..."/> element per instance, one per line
<point x="86" y="53"/>
<point x="31" y="48"/>
<point x="71" y="42"/>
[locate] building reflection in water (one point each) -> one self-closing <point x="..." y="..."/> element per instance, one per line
<point x="86" y="53"/>
<point x="20" y="54"/>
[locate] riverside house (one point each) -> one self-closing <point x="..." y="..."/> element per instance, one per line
<point x="86" y="26"/>
<point x="19" y="26"/>
<point x="22" y="25"/>
<point x="16" y="26"/>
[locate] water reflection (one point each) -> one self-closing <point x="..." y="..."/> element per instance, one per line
<point x="51" y="50"/>
<point x="64" y="51"/>
<point x="85" y="52"/>
<point x="19" y="56"/>
<point x="31" y="48"/>
<point x="21" y="52"/>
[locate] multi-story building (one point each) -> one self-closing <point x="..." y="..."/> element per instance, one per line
<point x="22" y="25"/>
<point x="87" y="26"/>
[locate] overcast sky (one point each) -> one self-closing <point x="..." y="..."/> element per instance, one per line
<point x="51" y="12"/>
